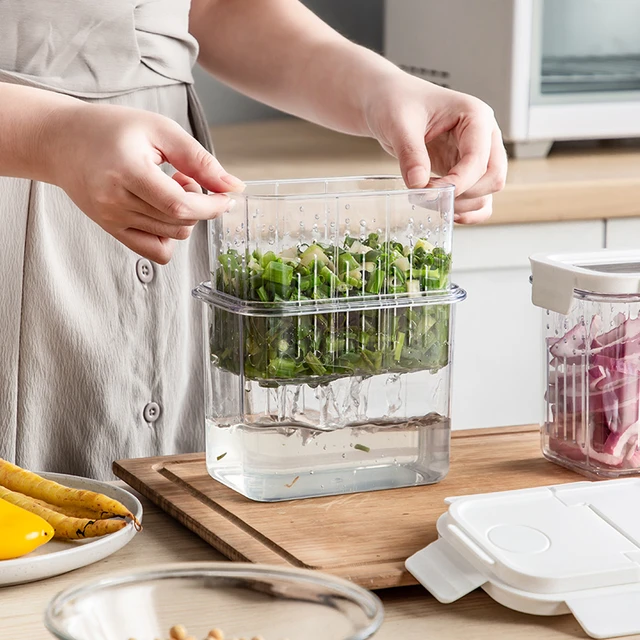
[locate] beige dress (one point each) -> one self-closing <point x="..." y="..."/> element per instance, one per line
<point x="100" y="350"/>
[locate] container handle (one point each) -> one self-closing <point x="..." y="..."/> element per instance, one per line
<point x="608" y="615"/>
<point x="441" y="570"/>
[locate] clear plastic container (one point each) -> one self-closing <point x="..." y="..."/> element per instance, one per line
<point x="592" y="399"/>
<point x="327" y="372"/>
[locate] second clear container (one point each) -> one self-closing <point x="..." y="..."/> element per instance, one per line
<point x="592" y="345"/>
<point x="329" y="334"/>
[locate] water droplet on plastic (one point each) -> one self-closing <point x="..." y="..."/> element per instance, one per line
<point x="332" y="225"/>
<point x="301" y="209"/>
<point x="317" y="216"/>
<point x="344" y="455"/>
<point x="363" y="223"/>
<point x="301" y="223"/>
<point x="429" y="219"/>
<point x="347" y="221"/>
<point x="413" y="207"/>
<point x="347" y="206"/>
<point x="272" y="228"/>
<point x="310" y="473"/>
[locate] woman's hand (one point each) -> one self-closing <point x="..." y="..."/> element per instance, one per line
<point x="107" y="159"/>
<point x="431" y="129"/>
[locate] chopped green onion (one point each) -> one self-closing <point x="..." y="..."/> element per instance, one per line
<point x="278" y="349"/>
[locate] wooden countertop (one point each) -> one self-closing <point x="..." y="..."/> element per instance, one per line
<point x="578" y="181"/>
<point x="411" y="613"/>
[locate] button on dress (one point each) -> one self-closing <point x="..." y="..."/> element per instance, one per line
<point x="101" y="352"/>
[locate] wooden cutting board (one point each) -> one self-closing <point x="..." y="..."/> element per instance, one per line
<point x="363" y="537"/>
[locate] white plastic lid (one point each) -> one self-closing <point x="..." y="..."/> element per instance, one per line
<point x="544" y="550"/>
<point x="557" y="276"/>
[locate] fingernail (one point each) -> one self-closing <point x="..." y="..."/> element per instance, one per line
<point x="232" y="181"/>
<point x="231" y="205"/>
<point x="417" y="177"/>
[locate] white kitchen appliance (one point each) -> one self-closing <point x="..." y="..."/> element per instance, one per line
<point x="550" y="69"/>
<point x="572" y="548"/>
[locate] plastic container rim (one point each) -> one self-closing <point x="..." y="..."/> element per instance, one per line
<point x="436" y="189"/>
<point x="596" y="296"/>
<point x="206" y="294"/>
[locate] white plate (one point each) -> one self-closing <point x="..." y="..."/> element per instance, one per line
<point x="58" y="556"/>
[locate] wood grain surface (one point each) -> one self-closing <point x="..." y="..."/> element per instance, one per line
<point x="364" y="537"/>
<point x="578" y="181"/>
<point x="410" y="612"/>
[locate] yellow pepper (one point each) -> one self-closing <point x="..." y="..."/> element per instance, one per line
<point x="21" y="531"/>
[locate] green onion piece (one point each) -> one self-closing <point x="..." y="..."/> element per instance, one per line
<point x="278" y="272"/>
<point x="346" y="262"/>
<point x="229" y="262"/>
<point x="313" y="254"/>
<point x="362" y="447"/>
<point x="314" y="364"/>
<point x="268" y="257"/>
<point x="399" y="344"/>
<point x="330" y="278"/>
<point x="376" y="281"/>
<point x="372" y="256"/>
<point x="222" y="455"/>
<point x="282" y="368"/>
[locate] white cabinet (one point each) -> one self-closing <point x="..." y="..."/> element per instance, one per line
<point x="623" y="233"/>
<point x="498" y="355"/>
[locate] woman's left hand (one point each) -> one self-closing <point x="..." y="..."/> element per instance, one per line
<point x="432" y="129"/>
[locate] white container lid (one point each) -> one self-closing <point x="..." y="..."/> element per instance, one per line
<point x="557" y="276"/>
<point x="546" y="551"/>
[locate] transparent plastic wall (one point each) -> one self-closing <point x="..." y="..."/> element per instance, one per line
<point x="274" y="434"/>
<point x="592" y="398"/>
<point x="276" y="216"/>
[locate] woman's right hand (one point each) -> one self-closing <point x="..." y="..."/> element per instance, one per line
<point x="107" y="159"/>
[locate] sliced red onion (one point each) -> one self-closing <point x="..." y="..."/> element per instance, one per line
<point x="594" y="391"/>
